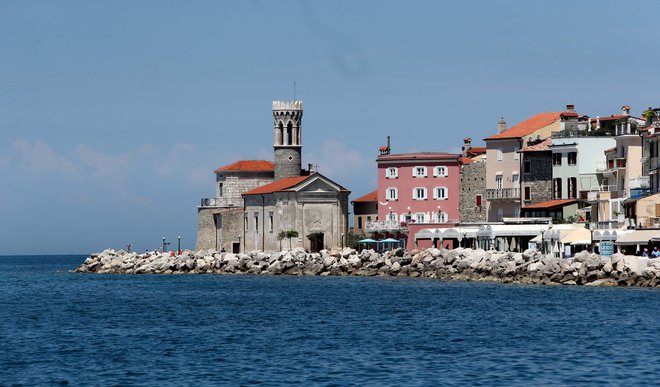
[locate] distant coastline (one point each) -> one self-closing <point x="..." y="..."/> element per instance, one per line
<point x="529" y="267"/>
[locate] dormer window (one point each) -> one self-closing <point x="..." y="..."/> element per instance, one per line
<point x="419" y="172"/>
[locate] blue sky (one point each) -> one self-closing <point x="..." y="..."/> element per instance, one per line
<point x="113" y="115"/>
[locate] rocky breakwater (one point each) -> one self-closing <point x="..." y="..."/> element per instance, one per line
<point x="529" y="267"/>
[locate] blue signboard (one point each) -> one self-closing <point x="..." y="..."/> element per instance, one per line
<point x="606" y="248"/>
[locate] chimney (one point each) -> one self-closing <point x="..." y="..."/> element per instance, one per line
<point x="467" y="145"/>
<point x="625" y="110"/>
<point x="311" y="168"/>
<point x="570" y="108"/>
<point x="385" y="150"/>
<point x="501" y="126"/>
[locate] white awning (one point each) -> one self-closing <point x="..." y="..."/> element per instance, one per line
<point x="637" y="237"/>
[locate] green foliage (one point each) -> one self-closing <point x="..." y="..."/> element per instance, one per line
<point x="353" y="239"/>
<point x="314" y="236"/>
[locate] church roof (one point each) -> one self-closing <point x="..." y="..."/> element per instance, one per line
<point x="528" y="126"/>
<point x="370" y="197"/>
<point x="248" y="166"/>
<point x="277" y="186"/>
<point x="288" y="183"/>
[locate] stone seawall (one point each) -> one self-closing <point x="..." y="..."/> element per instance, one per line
<point x="529" y="267"/>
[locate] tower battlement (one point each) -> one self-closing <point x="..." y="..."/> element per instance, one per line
<point x="288" y="105"/>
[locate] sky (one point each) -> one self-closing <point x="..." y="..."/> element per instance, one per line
<point x="113" y="115"/>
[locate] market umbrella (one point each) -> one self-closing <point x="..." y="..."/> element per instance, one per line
<point x="367" y="240"/>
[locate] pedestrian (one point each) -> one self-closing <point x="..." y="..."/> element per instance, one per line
<point x="655" y="253"/>
<point x="645" y="253"/>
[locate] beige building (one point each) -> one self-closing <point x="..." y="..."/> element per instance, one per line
<point x="503" y="162"/>
<point x="365" y="211"/>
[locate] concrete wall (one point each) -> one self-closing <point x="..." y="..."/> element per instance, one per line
<point x="473" y="183"/>
<point x="364" y="212"/>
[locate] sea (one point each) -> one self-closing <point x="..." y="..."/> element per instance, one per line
<point x="64" y="328"/>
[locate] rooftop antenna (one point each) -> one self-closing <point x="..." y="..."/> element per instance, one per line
<point x="294" y="90"/>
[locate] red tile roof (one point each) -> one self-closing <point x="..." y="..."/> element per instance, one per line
<point x="569" y="114"/>
<point x="466" y="160"/>
<point x="370" y="197"/>
<point x="610" y="149"/>
<point x="610" y="118"/>
<point x="541" y="146"/>
<point x="552" y="203"/>
<point x="248" y="166"/>
<point x="476" y="151"/>
<point x="277" y="186"/>
<point x="528" y="126"/>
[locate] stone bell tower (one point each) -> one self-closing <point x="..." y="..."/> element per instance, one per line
<point x="288" y="145"/>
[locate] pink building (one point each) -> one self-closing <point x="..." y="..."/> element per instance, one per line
<point x="415" y="191"/>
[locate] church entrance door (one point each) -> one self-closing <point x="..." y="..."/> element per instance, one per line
<point x="316" y="242"/>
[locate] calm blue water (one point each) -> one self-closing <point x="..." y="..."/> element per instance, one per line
<point x="63" y="328"/>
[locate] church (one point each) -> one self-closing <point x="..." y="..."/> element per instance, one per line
<point x="259" y="204"/>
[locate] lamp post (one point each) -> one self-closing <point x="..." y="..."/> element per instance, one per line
<point x="342" y="240"/>
<point x="543" y="242"/>
<point x="178" y="245"/>
<point x="591" y="230"/>
<point x="239" y="243"/>
<point x="464" y="236"/>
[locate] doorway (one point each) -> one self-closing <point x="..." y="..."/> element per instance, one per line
<point x="316" y="242"/>
<point x="236" y="247"/>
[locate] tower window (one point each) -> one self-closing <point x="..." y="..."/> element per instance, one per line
<point x="290" y="158"/>
<point x="289" y="134"/>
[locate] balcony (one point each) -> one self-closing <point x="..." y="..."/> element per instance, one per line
<point x="386" y="225"/>
<point x="503" y="194"/>
<point x="639" y="182"/>
<point x="216" y="202"/>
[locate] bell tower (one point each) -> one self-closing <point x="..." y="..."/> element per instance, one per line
<point x="288" y="146"/>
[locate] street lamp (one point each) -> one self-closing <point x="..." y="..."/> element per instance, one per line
<point x="342" y="240"/>
<point x="591" y="230"/>
<point x="239" y="243"/>
<point x="464" y="236"/>
<point x="178" y="247"/>
<point x="542" y="241"/>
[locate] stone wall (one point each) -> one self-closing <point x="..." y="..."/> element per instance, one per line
<point x="235" y="183"/>
<point x="473" y="183"/>
<point x="230" y="227"/>
<point x="539" y="179"/>
<point x="288" y="162"/>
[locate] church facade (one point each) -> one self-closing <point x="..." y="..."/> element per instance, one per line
<point x="276" y="199"/>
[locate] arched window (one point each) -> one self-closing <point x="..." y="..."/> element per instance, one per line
<point x="278" y="136"/>
<point x="289" y="134"/>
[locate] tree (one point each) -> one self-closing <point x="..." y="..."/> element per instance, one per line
<point x="280" y="236"/>
<point x="291" y="234"/>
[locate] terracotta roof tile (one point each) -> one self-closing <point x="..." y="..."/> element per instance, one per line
<point x="420" y="156"/>
<point x="552" y="203"/>
<point x="277" y="186"/>
<point x="466" y="160"/>
<point x="370" y="197"/>
<point x="476" y="151"/>
<point x="248" y="166"/>
<point x="541" y="146"/>
<point x="528" y="126"/>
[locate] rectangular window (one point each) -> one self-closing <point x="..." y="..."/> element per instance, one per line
<point x="500" y="155"/>
<point x="392" y="173"/>
<point x="556" y="188"/>
<point x="572" y="158"/>
<point x="440" y="171"/>
<point x="391" y="194"/>
<point x="359" y="223"/>
<point x="572" y="187"/>
<point x="419" y="217"/>
<point x="478" y="200"/>
<point x="515" y="181"/>
<point x="498" y="181"/>
<point x="556" y="159"/>
<point x="392" y="217"/>
<point x="440" y="193"/>
<point x="256" y="221"/>
<point x="528" y="193"/>
<point x="419" y="193"/>
<point x="527" y="166"/>
<point x="220" y="190"/>
<point x="516" y="153"/>
<point x="419" y="172"/>
<point x="270" y="221"/>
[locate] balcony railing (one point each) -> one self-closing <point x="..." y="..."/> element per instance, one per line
<point x="385" y="225"/>
<point x="216" y="202"/>
<point x="639" y="182"/>
<point x="503" y="193"/>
